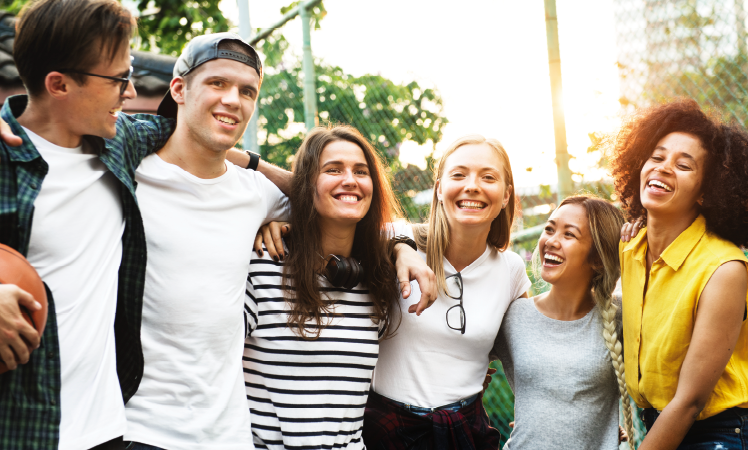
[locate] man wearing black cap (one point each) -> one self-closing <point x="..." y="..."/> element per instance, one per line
<point x="200" y="215"/>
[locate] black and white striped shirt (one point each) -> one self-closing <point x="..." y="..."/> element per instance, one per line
<point x="306" y="394"/>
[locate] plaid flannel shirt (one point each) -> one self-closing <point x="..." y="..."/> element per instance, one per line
<point x="30" y="395"/>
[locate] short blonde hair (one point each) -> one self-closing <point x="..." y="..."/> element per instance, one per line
<point x="434" y="237"/>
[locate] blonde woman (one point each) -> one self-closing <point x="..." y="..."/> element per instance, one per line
<point x="426" y="389"/>
<point x="561" y="350"/>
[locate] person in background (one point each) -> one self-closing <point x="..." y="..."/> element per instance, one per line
<point x="684" y="277"/>
<point x="561" y="350"/>
<point x="426" y="390"/>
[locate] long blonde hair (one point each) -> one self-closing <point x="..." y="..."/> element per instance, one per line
<point x="433" y="238"/>
<point x="605" y="221"/>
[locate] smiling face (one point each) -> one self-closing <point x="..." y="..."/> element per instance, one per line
<point x="472" y="188"/>
<point x="671" y="178"/>
<point x="344" y="184"/>
<point x="565" y="245"/>
<point x="217" y="101"/>
<point x="95" y="104"/>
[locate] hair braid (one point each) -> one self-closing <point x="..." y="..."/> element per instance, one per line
<point x="608" y="312"/>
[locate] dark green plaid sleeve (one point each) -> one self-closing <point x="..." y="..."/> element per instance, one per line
<point x="29" y="395"/>
<point x="137" y="136"/>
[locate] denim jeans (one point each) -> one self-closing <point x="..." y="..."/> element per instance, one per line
<point x="139" y="446"/>
<point x="727" y="430"/>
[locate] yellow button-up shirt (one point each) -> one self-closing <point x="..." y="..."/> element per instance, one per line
<point x="657" y="328"/>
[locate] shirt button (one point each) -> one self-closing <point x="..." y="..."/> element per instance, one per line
<point x="34" y="186"/>
<point x="53" y="402"/>
<point x="737" y="430"/>
<point x="50" y="355"/>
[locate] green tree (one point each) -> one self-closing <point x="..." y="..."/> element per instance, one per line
<point x="167" y="25"/>
<point x="387" y="113"/>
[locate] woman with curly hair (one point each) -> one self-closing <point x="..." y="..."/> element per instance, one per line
<point x="684" y="277"/>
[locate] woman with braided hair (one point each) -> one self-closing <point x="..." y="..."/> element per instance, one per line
<point x="561" y="350"/>
<point x="684" y="277"/>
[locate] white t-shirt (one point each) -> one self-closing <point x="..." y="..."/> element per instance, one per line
<point x="76" y="246"/>
<point x="199" y="234"/>
<point x="307" y="393"/>
<point x="429" y="364"/>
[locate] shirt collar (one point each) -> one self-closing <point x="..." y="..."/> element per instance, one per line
<point x="677" y="251"/>
<point x="12" y="109"/>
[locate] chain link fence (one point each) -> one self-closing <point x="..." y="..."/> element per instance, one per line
<point x="388" y="113"/>
<point x="691" y="48"/>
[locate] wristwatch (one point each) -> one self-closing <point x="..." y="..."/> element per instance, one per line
<point x="402" y="239"/>
<point x="254" y="160"/>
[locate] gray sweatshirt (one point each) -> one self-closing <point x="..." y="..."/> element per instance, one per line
<point x="565" y="388"/>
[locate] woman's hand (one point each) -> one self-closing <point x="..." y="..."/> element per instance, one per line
<point x="622" y="435"/>
<point x="271" y="235"/>
<point x="629" y="230"/>
<point x="411" y="267"/>
<point x="488" y="379"/>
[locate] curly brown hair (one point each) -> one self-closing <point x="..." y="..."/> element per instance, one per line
<point x="725" y="186"/>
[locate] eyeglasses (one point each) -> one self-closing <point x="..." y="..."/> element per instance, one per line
<point x="125" y="81"/>
<point x="455" y="314"/>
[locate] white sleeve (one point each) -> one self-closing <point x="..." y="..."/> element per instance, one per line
<point x="278" y="205"/>
<point x="399" y="228"/>
<point x="520" y="282"/>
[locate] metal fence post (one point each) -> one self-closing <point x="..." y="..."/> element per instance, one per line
<point x="739" y="10"/>
<point x="310" y="92"/>
<point x="245" y="31"/>
<point x="559" y="123"/>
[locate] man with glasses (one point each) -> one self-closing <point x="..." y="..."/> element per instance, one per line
<point x="67" y="202"/>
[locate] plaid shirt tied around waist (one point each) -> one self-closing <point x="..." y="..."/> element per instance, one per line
<point x="388" y="426"/>
<point x="30" y="395"/>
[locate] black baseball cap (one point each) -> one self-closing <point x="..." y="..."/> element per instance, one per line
<point x="201" y="50"/>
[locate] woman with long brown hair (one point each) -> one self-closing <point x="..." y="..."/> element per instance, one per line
<point x="315" y="319"/>
<point x="684" y="277"/>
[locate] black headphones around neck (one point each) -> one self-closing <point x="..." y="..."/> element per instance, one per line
<point x="342" y="271"/>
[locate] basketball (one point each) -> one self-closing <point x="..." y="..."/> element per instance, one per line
<point x="15" y="269"/>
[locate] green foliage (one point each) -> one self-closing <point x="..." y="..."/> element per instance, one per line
<point x="167" y="25"/>
<point x="720" y="83"/>
<point x="385" y="112"/>
<point x="317" y="13"/>
<point x="12" y="6"/>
